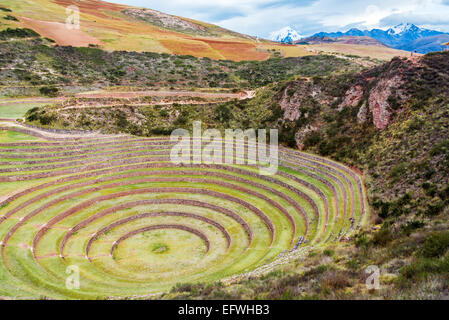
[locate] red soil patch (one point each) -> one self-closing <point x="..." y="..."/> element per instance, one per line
<point x="59" y="32"/>
<point x="237" y="51"/>
<point x="93" y="7"/>
<point x="215" y="49"/>
<point x="189" y="47"/>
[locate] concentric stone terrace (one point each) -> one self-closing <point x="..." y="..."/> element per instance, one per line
<point x="134" y="223"/>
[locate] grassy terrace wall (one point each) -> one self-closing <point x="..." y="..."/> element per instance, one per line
<point x="135" y="223"/>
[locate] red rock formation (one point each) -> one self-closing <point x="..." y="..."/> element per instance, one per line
<point x="353" y="96"/>
<point x="378" y="100"/>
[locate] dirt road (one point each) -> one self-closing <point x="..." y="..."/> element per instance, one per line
<point x="132" y="94"/>
<point x="155" y="93"/>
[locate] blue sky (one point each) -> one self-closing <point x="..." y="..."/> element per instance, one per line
<point x="261" y="17"/>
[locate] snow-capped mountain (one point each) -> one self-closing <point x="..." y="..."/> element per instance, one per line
<point x="402" y="28"/>
<point x="403" y="36"/>
<point x="285" y="35"/>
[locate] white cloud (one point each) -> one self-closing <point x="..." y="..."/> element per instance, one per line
<point x="261" y="17"/>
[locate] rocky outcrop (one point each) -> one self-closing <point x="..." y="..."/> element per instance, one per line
<point x="298" y="94"/>
<point x="362" y="116"/>
<point x="352" y="97"/>
<point x="379" y="104"/>
<point x="302" y="134"/>
<point x="164" y="20"/>
<point x="292" y="97"/>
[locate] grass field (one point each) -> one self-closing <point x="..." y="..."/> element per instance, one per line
<point x="11" y="137"/>
<point x="134" y="223"/>
<point x="16" y="110"/>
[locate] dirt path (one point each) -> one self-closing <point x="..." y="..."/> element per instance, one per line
<point x="155" y="93"/>
<point x="133" y="94"/>
<point x="140" y="104"/>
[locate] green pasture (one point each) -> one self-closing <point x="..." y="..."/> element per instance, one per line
<point x="16" y="110"/>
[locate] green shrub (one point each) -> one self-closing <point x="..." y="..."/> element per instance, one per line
<point x="312" y="139"/>
<point x="46" y="119"/>
<point x="411" y="226"/>
<point x="182" y="119"/>
<point x="382" y="237"/>
<point x="435" y="245"/>
<point x="326" y="148"/>
<point x="161" y="131"/>
<point x="444" y="194"/>
<point x="398" y="170"/>
<point x="434" y="209"/>
<point x="121" y="120"/>
<point x="404" y="200"/>
<point x="423" y="267"/>
<point x="416" y="124"/>
<point x="223" y="113"/>
<point x="361" y="240"/>
<point x="11" y="18"/>
<point x="182" y="287"/>
<point x="32" y="114"/>
<point x="440" y="148"/>
<point x="49" y="91"/>
<point x="18" y="33"/>
<point x="335" y="280"/>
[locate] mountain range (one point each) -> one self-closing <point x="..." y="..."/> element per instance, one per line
<point x="405" y="36"/>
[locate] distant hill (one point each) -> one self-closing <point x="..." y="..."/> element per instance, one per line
<point x="367" y="41"/>
<point x="119" y="27"/>
<point x="404" y="36"/>
<point x="427" y="44"/>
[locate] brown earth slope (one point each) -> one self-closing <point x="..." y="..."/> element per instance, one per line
<point x="119" y="27"/>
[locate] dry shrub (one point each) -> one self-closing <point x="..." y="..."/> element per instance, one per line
<point x="335" y="280"/>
